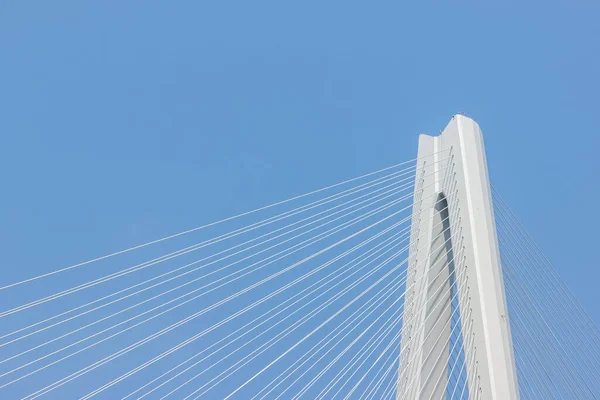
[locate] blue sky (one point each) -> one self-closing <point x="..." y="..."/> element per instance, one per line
<point x="124" y="122"/>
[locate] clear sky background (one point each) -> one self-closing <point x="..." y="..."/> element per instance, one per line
<point x="122" y="122"/>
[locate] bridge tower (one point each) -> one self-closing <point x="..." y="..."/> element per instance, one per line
<point x="454" y="241"/>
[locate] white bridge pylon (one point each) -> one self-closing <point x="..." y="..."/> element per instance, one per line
<point x="458" y="247"/>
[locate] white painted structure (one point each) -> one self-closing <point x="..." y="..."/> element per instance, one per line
<point x="454" y="228"/>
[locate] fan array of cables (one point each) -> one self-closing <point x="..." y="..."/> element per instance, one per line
<point x="302" y="298"/>
<point x="556" y="343"/>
